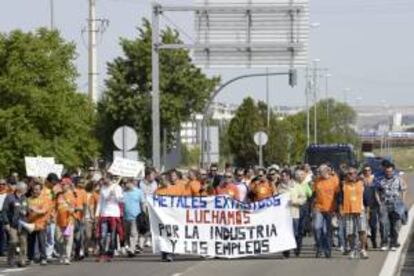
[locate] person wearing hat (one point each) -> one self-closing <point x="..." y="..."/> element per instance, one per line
<point x="15" y="210"/>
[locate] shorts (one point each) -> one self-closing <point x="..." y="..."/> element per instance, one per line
<point x="355" y="223"/>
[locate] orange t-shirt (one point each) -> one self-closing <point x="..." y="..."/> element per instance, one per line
<point x="65" y="205"/>
<point x="81" y="201"/>
<point x="178" y="189"/>
<point x="353" y="197"/>
<point x="192" y="188"/>
<point x="229" y="189"/>
<point x="325" y="191"/>
<point x="262" y="190"/>
<point x="40" y="204"/>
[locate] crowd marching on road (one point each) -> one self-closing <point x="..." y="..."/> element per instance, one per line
<point x="67" y="219"/>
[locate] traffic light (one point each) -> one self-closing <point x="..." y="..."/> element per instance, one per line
<point x="293" y="77"/>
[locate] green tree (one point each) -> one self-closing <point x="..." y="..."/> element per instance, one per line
<point x="247" y="121"/>
<point x="184" y="89"/>
<point x="41" y="112"/>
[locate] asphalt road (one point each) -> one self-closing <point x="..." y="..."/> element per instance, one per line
<point x="150" y="265"/>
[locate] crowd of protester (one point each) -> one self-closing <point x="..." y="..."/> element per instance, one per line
<point x="76" y="216"/>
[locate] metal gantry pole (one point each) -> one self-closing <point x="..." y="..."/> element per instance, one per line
<point x="156" y="151"/>
<point x="267" y="98"/>
<point x="204" y="146"/>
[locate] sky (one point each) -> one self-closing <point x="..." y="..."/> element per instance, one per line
<point x="367" y="46"/>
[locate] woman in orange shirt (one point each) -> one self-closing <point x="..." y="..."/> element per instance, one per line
<point x="352" y="208"/>
<point x="38" y="214"/>
<point x="65" y="220"/>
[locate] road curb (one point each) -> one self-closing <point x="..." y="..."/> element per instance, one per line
<point x="392" y="262"/>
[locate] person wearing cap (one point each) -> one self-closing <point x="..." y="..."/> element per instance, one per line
<point x="325" y="190"/>
<point x="38" y="214"/>
<point x="3" y="195"/>
<point x="65" y="219"/>
<point x="14" y="211"/>
<point x="261" y="188"/>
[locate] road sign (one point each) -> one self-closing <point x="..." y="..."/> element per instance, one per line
<point x="260" y="138"/>
<point x="125" y="138"/>
<point x="251" y="33"/>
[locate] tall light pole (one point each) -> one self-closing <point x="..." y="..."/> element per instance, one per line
<point x="52" y="15"/>
<point x="92" y="46"/>
<point x="327" y="76"/>
<point x="267" y="98"/>
<point x="315" y="100"/>
<point x="307" y="94"/>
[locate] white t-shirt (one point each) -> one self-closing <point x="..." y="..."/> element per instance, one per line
<point x="148" y="188"/>
<point x="243" y="190"/>
<point x="109" y="199"/>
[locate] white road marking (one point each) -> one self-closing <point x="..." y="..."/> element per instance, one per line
<point x="392" y="262"/>
<point x="11" y="270"/>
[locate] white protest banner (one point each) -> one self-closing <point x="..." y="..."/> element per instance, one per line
<point x="218" y="226"/>
<point x="126" y="167"/>
<point x="42" y="166"/>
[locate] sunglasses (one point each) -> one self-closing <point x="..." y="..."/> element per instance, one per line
<point x="239" y="175"/>
<point x="352" y="173"/>
<point x="228" y="176"/>
<point x="3" y="184"/>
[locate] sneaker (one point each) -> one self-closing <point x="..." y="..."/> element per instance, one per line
<point x="352" y="255"/>
<point x="328" y="254"/>
<point x="148" y="244"/>
<point x="384" y="248"/>
<point x="393" y="248"/>
<point x="364" y="254"/>
<point x="66" y="261"/>
<point x="341" y="249"/>
<point x="21" y="264"/>
<point x="43" y="262"/>
<point x="169" y="258"/>
<point x="318" y="254"/>
<point x="131" y="254"/>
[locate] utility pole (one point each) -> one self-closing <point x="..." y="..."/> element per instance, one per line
<point x="92" y="61"/>
<point x="156" y="162"/>
<point x="52" y="15"/>
<point x="267" y="98"/>
<point x="327" y="76"/>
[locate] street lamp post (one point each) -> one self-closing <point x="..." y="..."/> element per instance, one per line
<point x="315" y="100"/>
<point x="327" y="76"/>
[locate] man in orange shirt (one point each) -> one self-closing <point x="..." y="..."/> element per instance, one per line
<point x="38" y="214"/>
<point x="261" y="188"/>
<point x="193" y="186"/>
<point x="80" y="210"/>
<point x="65" y="219"/>
<point x="227" y="187"/>
<point x="352" y="208"/>
<point x="325" y="190"/>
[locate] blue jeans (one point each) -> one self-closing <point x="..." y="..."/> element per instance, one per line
<point x="3" y="239"/>
<point x="79" y="238"/>
<point x="322" y="226"/>
<point x="298" y="235"/>
<point x="390" y="222"/>
<point x="50" y="239"/>
<point x="107" y="244"/>
<point x="342" y="241"/>
<point x="374" y="219"/>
